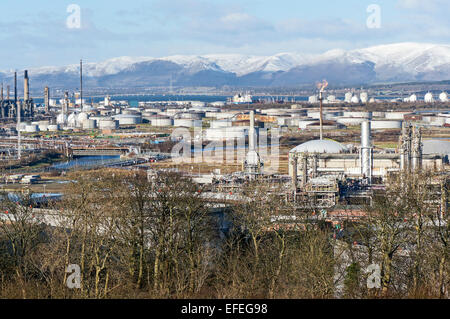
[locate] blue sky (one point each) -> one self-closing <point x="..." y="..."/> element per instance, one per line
<point x="37" y="35"/>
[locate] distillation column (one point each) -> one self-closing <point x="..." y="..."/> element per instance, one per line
<point x="366" y="151"/>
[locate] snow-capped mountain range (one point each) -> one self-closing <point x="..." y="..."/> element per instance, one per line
<point x="384" y="63"/>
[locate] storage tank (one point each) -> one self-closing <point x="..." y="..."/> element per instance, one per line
<point x="302" y="124"/>
<point x="43" y="127"/>
<point x="187" y="123"/>
<point x="72" y="120"/>
<point x="365" y="115"/>
<point x="61" y="118"/>
<point x="108" y="124"/>
<point x="53" y="128"/>
<point x="128" y="119"/>
<point x="351" y="121"/>
<point x="386" y="124"/>
<point x="348" y="97"/>
<point x="225" y="133"/>
<point x="220" y="123"/>
<point x="364" y="97"/>
<point x="355" y="99"/>
<point x="443" y="97"/>
<point x="32" y="128"/>
<point x="396" y="115"/>
<point x="313" y="99"/>
<point x="89" y="124"/>
<point x="161" y="121"/>
<point x="428" y="98"/>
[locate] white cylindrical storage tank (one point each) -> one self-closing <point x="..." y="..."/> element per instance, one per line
<point x="61" y="118"/>
<point x="221" y="123"/>
<point x="351" y="121"/>
<point x="355" y="99"/>
<point x="53" y="128"/>
<point x="428" y="98"/>
<point x="187" y="123"/>
<point x="365" y="115"/>
<point x="43" y="127"/>
<point x="108" y="124"/>
<point x="303" y="123"/>
<point x="331" y="98"/>
<point x="443" y="97"/>
<point x="364" y="97"/>
<point x="89" y="124"/>
<point x="32" y="128"/>
<point x="396" y="115"/>
<point x="161" y="121"/>
<point x="378" y="114"/>
<point x="386" y="124"/>
<point x="224" y="133"/>
<point x="348" y="97"/>
<point x="128" y="119"/>
<point x="313" y="99"/>
<point x="72" y="120"/>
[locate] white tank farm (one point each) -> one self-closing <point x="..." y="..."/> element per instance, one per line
<point x="428" y="98"/>
<point x="128" y="119"/>
<point x="108" y="124"/>
<point x="221" y="123"/>
<point x="396" y="115"/>
<point x="53" y="128"/>
<point x="224" y="133"/>
<point x="351" y="121"/>
<point x="89" y="124"/>
<point x="187" y="123"/>
<point x="386" y="124"/>
<point x="443" y="97"/>
<point x="162" y="121"/>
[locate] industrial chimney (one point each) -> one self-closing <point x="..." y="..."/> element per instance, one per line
<point x="26" y="88"/>
<point x="366" y="151"/>
<point x="47" y="99"/>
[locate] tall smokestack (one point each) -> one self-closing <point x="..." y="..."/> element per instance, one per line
<point x="15" y="89"/>
<point x="47" y="99"/>
<point x="81" y="84"/>
<point x="366" y="151"/>
<point x="26" y="88"/>
<point x="251" y="133"/>
<point x="19" y="146"/>
<point x="8" y="89"/>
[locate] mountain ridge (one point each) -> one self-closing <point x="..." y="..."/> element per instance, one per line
<point x="407" y="61"/>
